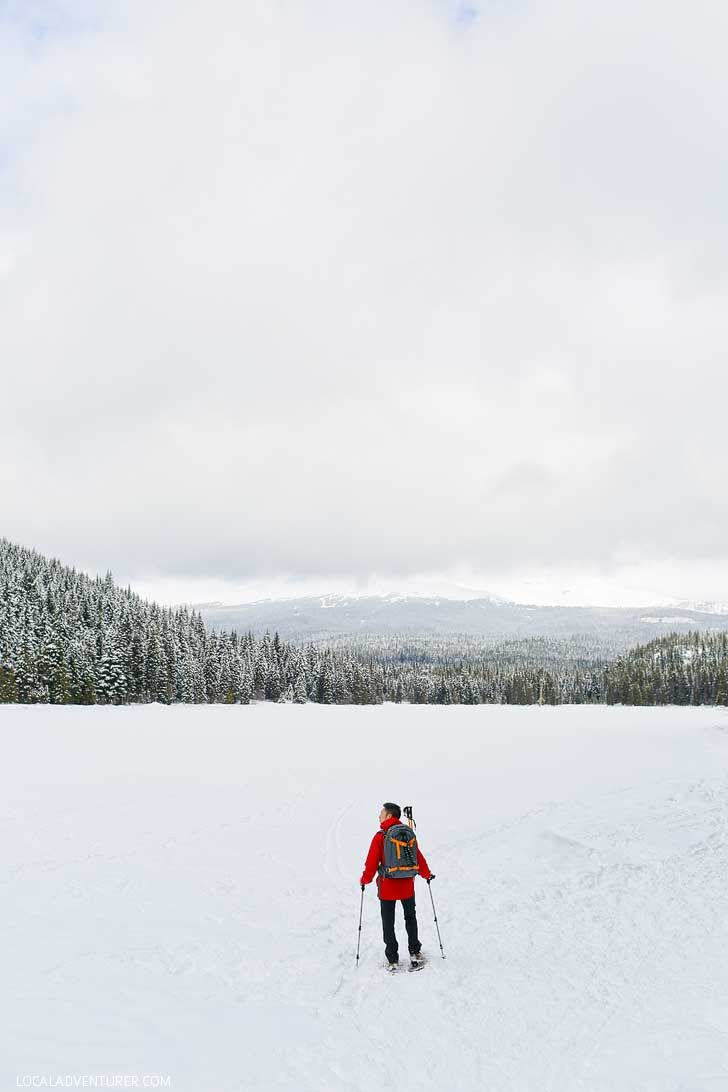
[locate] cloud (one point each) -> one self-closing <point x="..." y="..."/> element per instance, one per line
<point x="358" y="288"/>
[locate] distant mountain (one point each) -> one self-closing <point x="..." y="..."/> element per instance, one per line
<point x="704" y="608"/>
<point x="319" y="618"/>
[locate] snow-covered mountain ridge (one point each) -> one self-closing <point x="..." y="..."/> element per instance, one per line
<point x="336" y="615"/>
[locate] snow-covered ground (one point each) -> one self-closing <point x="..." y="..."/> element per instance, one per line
<point x="180" y="897"/>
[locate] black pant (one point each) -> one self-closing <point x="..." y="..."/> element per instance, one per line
<point x="410" y="921"/>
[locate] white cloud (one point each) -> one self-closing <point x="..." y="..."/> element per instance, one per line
<point x="373" y="288"/>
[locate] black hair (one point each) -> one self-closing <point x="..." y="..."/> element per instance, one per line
<point x="393" y="809"/>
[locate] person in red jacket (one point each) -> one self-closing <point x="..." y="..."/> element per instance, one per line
<point x="390" y="890"/>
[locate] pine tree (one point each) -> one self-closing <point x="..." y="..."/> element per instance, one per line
<point x="300" y="693"/>
<point x="8" y="685"/>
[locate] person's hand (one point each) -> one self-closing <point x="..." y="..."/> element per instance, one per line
<point x="363" y="886"/>
<point x="431" y="877"/>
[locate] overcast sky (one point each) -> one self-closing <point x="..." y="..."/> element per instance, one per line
<point x="307" y="294"/>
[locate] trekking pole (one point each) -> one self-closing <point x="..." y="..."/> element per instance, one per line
<point x="361" y="907"/>
<point x="410" y="819"/>
<point x="435" y="913"/>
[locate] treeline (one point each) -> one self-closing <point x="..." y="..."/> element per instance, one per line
<point x="489" y="684"/>
<point x="66" y="638"/>
<point x="678" y="669"/>
<point x="682" y="669"/>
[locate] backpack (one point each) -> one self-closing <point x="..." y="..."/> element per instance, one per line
<point x="400" y="853"/>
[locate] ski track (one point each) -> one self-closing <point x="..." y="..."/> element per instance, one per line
<point x="332" y="846"/>
<point x="200" y="918"/>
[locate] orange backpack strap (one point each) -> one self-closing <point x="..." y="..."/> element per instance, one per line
<point x="393" y="859"/>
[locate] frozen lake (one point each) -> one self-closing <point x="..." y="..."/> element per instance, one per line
<point x="180" y="897"/>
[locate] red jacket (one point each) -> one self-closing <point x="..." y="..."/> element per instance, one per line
<point x="389" y="888"/>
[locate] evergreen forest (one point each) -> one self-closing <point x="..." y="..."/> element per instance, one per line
<point x="67" y="638"/>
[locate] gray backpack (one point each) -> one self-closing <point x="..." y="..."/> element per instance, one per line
<point x="400" y="853"/>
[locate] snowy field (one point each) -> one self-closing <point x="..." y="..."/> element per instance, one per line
<point x="180" y="897"/>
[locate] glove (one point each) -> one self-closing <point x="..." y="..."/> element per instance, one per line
<point x="431" y="877"/>
<point x="363" y="886"/>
